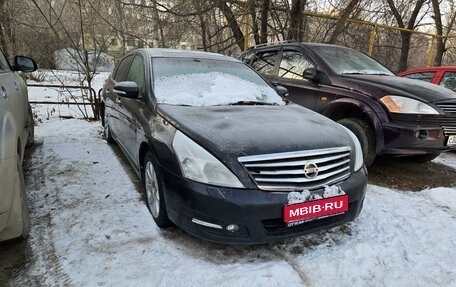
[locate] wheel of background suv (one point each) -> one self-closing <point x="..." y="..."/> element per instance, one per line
<point x="422" y="158"/>
<point x="365" y="135"/>
<point x="106" y="131"/>
<point x="153" y="188"/>
<point x="31" y="124"/>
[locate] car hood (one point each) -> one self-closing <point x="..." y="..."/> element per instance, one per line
<point x="229" y="132"/>
<point x="393" y="85"/>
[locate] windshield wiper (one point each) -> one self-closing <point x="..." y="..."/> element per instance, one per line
<point x="359" y="73"/>
<point x="251" y="103"/>
<point x="381" y="74"/>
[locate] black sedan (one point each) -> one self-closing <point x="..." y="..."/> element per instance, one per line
<point x="222" y="156"/>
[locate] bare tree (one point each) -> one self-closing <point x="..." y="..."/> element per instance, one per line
<point x="410" y="25"/>
<point x="342" y="22"/>
<point x="251" y="8"/>
<point x="264" y="21"/>
<point x="232" y="23"/>
<point x="6" y="32"/>
<point x="440" y="45"/>
<point x="296" y="16"/>
<point x="442" y="31"/>
<point x="79" y="31"/>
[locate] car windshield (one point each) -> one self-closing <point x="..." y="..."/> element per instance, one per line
<point x="348" y="61"/>
<point x="198" y="82"/>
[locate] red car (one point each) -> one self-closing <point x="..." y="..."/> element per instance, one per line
<point x="444" y="76"/>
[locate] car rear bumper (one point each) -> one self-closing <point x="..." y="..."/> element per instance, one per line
<point x="258" y="214"/>
<point x="415" y="139"/>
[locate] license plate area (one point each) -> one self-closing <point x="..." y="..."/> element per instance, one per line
<point x="295" y="214"/>
<point x="451" y="140"/>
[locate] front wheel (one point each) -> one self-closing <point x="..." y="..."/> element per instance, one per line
<point x="365" y="135"/>
<point x="106" y="130"/>
<point x="154" y="192"/>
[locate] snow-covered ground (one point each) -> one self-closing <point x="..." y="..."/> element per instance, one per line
<point x="90" y="227"/>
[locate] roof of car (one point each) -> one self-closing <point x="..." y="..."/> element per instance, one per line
<point x="293" y="43"/>
<point x="175" y="53"/>
<point x="428" y="69"/>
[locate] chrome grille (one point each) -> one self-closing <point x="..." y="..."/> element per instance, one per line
<point x="449" y="131"/>
<point x="447" y="122"/>
<point x="285" y="171"/>
<point x="448" y="107"/>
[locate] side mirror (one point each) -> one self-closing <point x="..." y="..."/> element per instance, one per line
<point x="282" y="91"/>
<point x="126" y="90"/>
<point x="24" y="64"/>
<point x="310" y="74"/>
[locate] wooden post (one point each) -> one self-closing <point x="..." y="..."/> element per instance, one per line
<point x="246" y="28"/>
<point x="373" y="35"/>
<point x="431" y="52"/>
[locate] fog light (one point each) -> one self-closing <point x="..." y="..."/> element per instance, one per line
<point x="423" y="134"/>
<point x="232" y="228"/>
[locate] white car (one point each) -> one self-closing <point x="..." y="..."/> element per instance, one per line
<point x="16" y="131"/>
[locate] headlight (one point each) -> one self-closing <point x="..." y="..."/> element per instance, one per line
<point x="359" y="161"/>
<point x="397" y="104"/>
<point x="199" y="165"/>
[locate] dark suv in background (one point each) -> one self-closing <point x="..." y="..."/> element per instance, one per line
<point x="390" y="115"/>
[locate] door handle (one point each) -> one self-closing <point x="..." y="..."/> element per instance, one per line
<point x="4" y="94"/>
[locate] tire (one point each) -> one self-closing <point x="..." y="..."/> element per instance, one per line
<point x="106" y="130"/>
<point x="153" y="190"/>
<point x="423" y="158"/>
<point x="365" y="134"/>
<point x="19" y="223"/>
<point x="24" y="211"/>
<point x="31" y="125"/>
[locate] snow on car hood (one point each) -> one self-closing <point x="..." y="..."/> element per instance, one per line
<point x="233" y="131"/>
<point x="211" y="89"/>
<point x="393" y="85"/>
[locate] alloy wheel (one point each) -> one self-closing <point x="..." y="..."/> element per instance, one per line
<point x="152" y="190"/>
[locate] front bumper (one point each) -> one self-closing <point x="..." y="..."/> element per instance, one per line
<point x="417" y="134"/>
<point x="259" y="214"/>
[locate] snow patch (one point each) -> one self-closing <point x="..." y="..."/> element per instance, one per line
<point x="299" y="197"/>
<point x="446" y="158"/>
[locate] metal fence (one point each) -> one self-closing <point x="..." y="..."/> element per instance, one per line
<point x="94" y="99"/>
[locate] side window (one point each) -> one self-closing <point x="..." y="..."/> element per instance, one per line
<point x="293" y="64"/>
<point x="136" y="73"/>
<point x="264" y="62"/>
<point x="424" y="76"/>
<point x="449" y="80"/>
<point x="4" y="66"/>
<point x="122" y="69"/>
